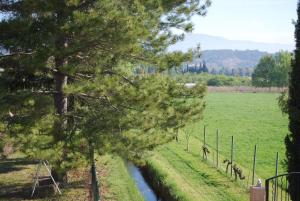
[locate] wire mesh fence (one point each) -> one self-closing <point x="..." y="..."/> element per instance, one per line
<point x="224" y="153"/>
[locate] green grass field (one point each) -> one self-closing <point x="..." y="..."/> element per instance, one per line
<point x="252" y="118"/>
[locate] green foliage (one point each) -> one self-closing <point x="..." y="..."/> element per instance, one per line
<point x="292" y="140"/>
<point x="273" y="70"/>
<point x="283" y="102"/>
<point x="213" y="80"/>
<point x="82" y="53"/>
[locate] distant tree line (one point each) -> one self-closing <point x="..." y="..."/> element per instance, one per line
<point x="201" y="67"/>
<point x="273" y="70"/>
<point x="212" y="80"/>
<point x="195" y="68"/>
<point x="242" y="72"/>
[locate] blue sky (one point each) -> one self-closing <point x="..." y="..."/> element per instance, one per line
<point x="255" y="20"/>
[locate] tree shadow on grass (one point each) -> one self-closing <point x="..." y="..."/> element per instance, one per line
<point x="10" y="165"/>
<point x="20" y="191"/>
<point x="12" y="191"/>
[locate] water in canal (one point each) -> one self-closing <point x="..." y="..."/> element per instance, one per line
<point x="144" y="187"/>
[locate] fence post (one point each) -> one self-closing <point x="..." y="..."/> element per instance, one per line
<point x="217" y="143"/>
<point x="257" y="193"/>
<point x="94" y="182"/>
<point x="276" y="170"/>
<point x="267" y="190"/>
<point x="254" y="164"/>
<point x="204" y="140"/>
<point x="231" y="158"/>
<point x="276" y="173"/>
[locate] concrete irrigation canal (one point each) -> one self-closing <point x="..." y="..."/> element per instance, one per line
<point x="145" y="189"/>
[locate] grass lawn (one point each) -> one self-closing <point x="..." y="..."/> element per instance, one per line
<point x="16" y="180"/>
<point x="16" y="177"/>
<point x="252" y="118"/>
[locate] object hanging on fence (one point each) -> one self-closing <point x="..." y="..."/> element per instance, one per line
<point x="38" y="180"/>
<point x="238" y="172"/>
<point x="205" y="151"/>
<point x="228" y="163"/>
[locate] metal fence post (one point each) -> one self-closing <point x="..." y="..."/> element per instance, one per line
<point x="231" y="158"/>
<point x="276" y="174"/>
<point x="254" y="164"/>
<point x="267" y="190"/>
<point x="217" y="144"/>
<point x="204" y="140"/>
<point x="95" y="185"/>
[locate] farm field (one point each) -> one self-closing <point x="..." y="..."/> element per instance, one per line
<point x="253" y="118"/>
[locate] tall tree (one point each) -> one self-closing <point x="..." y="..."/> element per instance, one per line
<point x="293" y="139"/>
<point x="67" y="81"/>
<point x="272" y="70"/>
<point x="261" y="76"/>
<point x="204" y="67"/>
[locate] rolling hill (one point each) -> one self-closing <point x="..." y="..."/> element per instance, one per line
<point x="231" y="58"/>
<point x="208" y="42"/>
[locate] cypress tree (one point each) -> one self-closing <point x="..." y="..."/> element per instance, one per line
<point x="293" y="139"/>
<point x="204" y="67"/>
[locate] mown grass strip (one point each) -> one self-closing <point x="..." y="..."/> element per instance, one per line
<point x="116" y="184"/>
<point x="192" y="179"/>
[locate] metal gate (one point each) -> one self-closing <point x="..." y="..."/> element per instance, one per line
<point x="284" y="187"/>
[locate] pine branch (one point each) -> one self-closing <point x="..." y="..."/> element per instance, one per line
<point x="16" y="54"/>
<point x="110" y="72"/>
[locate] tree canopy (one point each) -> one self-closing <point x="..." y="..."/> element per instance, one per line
<point x="292" y="140"/>
<point x="67" y="81"/>
<point x="273" y="70"/>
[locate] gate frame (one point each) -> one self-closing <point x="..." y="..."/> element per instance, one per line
<point x="275" y="177"/>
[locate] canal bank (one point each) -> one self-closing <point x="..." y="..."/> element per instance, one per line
<point x="146" y="189"/>
<point x="149" y="183"/>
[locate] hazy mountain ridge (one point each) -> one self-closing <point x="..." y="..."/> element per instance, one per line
<point x="208" y="42"/>
<point x="231" y="58"/>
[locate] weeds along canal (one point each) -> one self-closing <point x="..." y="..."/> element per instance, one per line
<point x="147" y="192"/>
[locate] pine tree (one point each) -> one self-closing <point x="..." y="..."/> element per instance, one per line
<point x="292" y="140"/>
<point x="68" y="83"/>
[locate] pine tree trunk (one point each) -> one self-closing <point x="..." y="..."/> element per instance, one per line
<point x="293" y="139"/>
<point x="61" y="106"/>
<point x="61" y="102"/>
